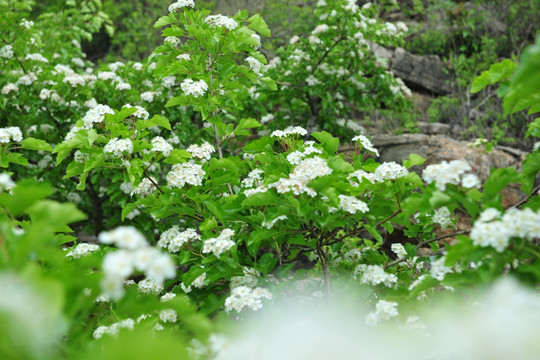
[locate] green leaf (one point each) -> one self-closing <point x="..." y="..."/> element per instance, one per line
<point x="496" y="73"/>
<point x="498" y="180"/>
<point x="373" y="231"/>
<point x="177" y="156"/>
<point x="165" y="20"/>
<point x="439" y="199"/>
<point x="95" y="161"/>
<point x="413" y="160"/>
<point x="266" y="263"/>
<point x="258" y="24"/>
<point x="155" y="120"/>
<point x="326" y="139"/>
<point x="35" y="144"/>
<point x="26" y="193"/>
<point x="269" y="83"/>
<point x="260" y="199"/>
<point x="246" y="124"/>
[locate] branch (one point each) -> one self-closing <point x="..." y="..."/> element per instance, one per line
<point x="152" y="181"/>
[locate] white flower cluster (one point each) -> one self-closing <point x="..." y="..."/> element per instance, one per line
<point x="173" y="239"/>
<point x="271" y="223"/>
<point x="384" y="310"/>
<point x="391" y="171"/>
<point x="148" y="96"/>
<point x="113" y="329"/>
<point x="167" y="297"/>
<point x="159" y="144"/>
<point x="375" y="275"/>
<point x="254" y="64"/>
<point x="245" y="297"/>
<point x="452" y="172"/>
<point x="290" y="131"/>
<point x="352" y="204"/>
<point x="134" y="254"/>
<point x="180" y="4"/>
<point x="443" y="217"/>
<point x="9" y="88"/>
<point x="303" y="173"/>
<point x="11" y="133"/>
<point x="399" y="250"/>
<point x="168" y="315"/>
<point x="312" y="80"/>
<point x="198" y="283"/>
<point x="254" y="178"/>
<point x="267" y="118"/>
<point x="361" y="174"/>
<point x="219" y="244"/>
<point x="438" y="269"/>
<point x="168" y="81"/>
<point x="150" y="286"/>
<point x="96" y="114"/>
<point x="221" y="21"/>
<point x="195" y="88"/>
<point x="5" y="182"/>
<point x="82" y="249"/>
<point x="36" y="57"/>
<point x="202" y="152"/>
<point x="492" y="229"/>
<point x="26" y="23"/>
<point x="320" y="29"/>
<point x="186" y="173"/>
<point x="119" y="147"/>
<point x="296" y="156"/>
<point x="172" y="40"/>
<point x="144" y="188"/>
<point x="27" y="79"/>
<point x="141" y="112"/>
<point x="6" y="51"/>
<point x="365" y="143"/>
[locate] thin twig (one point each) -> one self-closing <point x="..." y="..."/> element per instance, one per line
<point x="153" y="182"/>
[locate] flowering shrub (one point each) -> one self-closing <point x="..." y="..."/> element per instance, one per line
<point x="325" y="77"/>
<point x="227" y="219"/>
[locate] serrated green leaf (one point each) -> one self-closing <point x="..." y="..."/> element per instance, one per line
<point x="35" y="144"/>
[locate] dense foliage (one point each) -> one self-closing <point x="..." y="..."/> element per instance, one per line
<point x="145" y="204"/>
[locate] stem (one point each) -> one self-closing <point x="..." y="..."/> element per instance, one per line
<point x="442" y="237"/>
<point x="152" y="181"/>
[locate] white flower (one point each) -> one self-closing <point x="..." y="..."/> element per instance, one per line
<point x="202" y="152"/>
<point x="399" y="250"/>
<point x="9" y="88"/>
<point x="119" y="147"/>
<point x="365" y="143"/>
<point x="254" y="64"/>
<point x="148" y="96"/>
<point x="118" y="264"/>
<point x="221" y="21"/>
<point x="8" y="134"/>
<point x="161" y="268"/>
<point x="168" y="315"/>
<point x="442" y="217"/>
<point x="195" y="88"/>
<point x="186" y="173"/>
<point x="168" y="81"/>
<point x="180" y="4"/>
<point x="219" y="244"/>
<point x="36" y="57"/>
<point x="124" y="237"/>
<point x="5" y="182"/>
<point x="159" y="144"/>
<point x="150" y="286"/>
<point x="352" y="204"/>
<point x="6" y="51"/>
<point x="391" y="171"/>
<point x="82" y="249"/>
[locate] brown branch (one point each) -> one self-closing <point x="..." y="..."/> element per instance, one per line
<point x="153" y="182"/>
